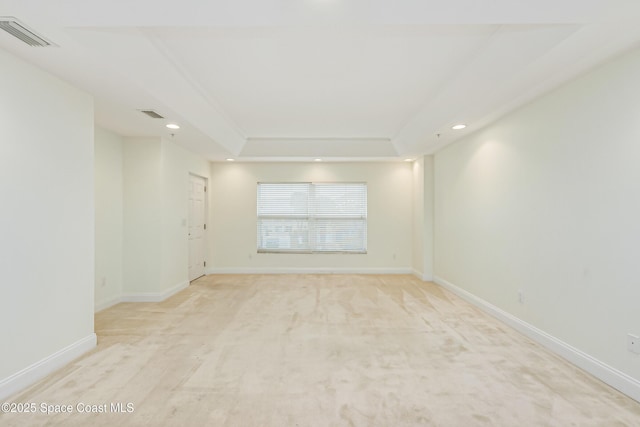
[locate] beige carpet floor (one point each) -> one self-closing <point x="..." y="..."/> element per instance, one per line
<point x="319" y="350"/>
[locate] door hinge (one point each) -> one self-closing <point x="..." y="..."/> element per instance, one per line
<point x="205" y="226"/>
<point x="205" y="188"/>
<point x="205" y="263"/>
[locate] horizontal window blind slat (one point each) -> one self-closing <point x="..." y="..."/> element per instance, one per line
<point x="287" y="217"/>
<point x="307" y="217"/>
<point x="283" y="199"/>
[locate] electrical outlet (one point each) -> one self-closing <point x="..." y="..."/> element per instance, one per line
<point x="633" y="343"/>
<point x="521" y="296"/>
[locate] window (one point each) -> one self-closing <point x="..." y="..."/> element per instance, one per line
<point x="312" y="217"/>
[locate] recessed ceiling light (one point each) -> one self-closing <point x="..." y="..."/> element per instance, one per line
<point x="231" y="160"/>
<point x="408" y="160"/>
<point x="173" y="126"/>
<point x="458" y="127"/>
<point x="317" y="160"/>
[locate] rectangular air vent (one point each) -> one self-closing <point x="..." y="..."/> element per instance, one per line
<point x="14" y="27"/>
<point x="152" y="114"/>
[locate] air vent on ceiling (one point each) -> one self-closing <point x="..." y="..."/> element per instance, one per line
<point x="152" y="114"/>
<point x="14" y="27"/>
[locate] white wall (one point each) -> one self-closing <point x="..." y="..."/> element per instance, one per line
<point x="233" y="217"/>
<point x="156" y="196"/>
<point x="547" y="201"/>
<point x="109" y="222"/>
<point x="177" y="164"/>
<point x="46" y="222"/>
<point x="418" y="218"/>
<point x="423" y="217"/>
<point x="142" y="216"/>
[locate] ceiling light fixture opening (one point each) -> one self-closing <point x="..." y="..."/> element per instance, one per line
<point x="173" y="126"/>
<point x="317" y="160"/>
<point x="458" y="126"/>
<point x="231" y="160"/>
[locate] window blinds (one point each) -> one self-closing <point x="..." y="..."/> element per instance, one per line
<point x="312" y="217"/>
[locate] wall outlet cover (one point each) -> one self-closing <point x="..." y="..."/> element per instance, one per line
<point x="633" y="343"/>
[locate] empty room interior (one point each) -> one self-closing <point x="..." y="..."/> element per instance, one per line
<point x="320" y="213"/>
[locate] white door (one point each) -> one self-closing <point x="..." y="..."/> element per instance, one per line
<point x="197" y="226"/>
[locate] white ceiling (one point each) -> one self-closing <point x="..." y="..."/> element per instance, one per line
<point x="299" y="79"/>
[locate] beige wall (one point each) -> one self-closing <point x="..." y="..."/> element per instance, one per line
<point x="547" y="202"/>
<point x="233" y="217"/>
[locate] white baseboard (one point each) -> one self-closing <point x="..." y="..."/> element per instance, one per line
<point x="154" y="296"/>
<point x="31" y="374"/>
<point x="310" y="270"/>
<point x="615" y="378"/>
<point x="103" y="305"/>
<point x="422" y="276"/>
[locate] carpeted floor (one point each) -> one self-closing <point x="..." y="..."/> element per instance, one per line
<point x="318" y="350"/>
